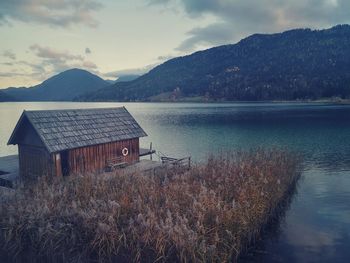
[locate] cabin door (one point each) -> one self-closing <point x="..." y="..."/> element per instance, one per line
<point x="65" y="163"/>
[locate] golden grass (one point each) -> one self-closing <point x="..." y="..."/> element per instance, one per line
<point x="207" y="214"/>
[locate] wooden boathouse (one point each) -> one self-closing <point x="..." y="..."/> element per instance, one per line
<point x="76" y="141"/>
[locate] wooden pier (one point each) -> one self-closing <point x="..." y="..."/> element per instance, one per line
<point x="145" y="152"/>
<point x="9" y="166"/>
<point x="142" y="166"/>
<point x="150" y="167"/>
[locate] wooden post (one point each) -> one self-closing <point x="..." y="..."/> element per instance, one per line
<point x="58" y="164"/>
<point x="150" y="147"/>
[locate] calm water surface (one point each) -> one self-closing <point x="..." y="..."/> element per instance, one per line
<point x="316" y="228"/>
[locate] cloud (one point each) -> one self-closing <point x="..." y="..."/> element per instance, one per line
<point x="48" y="62"/>
<point x="60" y="13"/>
<point x="87" y="51"/>
<point x="214" y="34"/>
<point x="89" y="65"/>
<point x="9" y="54"/>
<point x="33" y="71"/>
<point x="60" y="60"/>
<point x="132" y="71"/>
<point x="239" y="18"/>
<point x="49" y="53"/>
<point x="165" y="58"/>
<point x="140" y="70"/>
<point x="36" y="71"/>
<point x="11" y="74"/>
<point x="137" y="71"/>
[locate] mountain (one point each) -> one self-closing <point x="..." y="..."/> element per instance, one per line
<point x="5" y="97"/>
<point x="123" y="78"/>
<point x="110" y="81"/>
<point x="62" y="87"/>
<point x="296" y="64"/>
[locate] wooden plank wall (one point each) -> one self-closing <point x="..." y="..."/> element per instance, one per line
<point x="34" y="161"/>
<point x="93" y="158"/>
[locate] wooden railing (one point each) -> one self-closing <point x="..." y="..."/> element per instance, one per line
<point x="183" y="162"/>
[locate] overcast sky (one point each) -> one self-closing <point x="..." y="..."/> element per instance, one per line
<point x="40" y="38"/>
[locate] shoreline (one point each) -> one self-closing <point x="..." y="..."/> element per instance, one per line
<point x="320" y="101"/>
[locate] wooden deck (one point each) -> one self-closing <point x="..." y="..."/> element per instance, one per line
<point x="145" y="152"/>
<point x="153" y="167"/>
<point x="9" y="167"/>
<point x="9" y="170"/>
<point x="143" y="166"/>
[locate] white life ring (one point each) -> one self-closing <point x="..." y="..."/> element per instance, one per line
<point x="125" y="151"/>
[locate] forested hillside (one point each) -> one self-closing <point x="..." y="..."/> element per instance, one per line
<point x="297" y="64"/>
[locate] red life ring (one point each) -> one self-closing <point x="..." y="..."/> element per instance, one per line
<point x="125" y="151"/>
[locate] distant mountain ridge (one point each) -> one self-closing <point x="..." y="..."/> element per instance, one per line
<point x="64" y="86"/>
<point x="300" y="64"/>
<point x="123" y="78"/>
<point x="127" y="78"/>
<point x="5" y="97"/>
<point x="296" y="64"/>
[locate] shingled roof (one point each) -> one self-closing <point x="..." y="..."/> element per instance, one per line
<point x="67" y="129"/>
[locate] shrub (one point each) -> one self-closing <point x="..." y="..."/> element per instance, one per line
<point x="207" y="214"/>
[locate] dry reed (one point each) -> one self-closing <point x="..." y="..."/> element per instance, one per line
<point x="207" y="214"/>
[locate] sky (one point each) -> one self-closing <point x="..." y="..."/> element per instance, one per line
<point x="40" y="38"/>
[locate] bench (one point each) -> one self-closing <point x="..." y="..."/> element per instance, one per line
<point x="117" y="162"/>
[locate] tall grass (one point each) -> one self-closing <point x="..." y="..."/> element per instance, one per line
<point x="210" y="213"/>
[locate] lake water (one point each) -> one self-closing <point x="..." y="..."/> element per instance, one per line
<point x="316" y="228"/>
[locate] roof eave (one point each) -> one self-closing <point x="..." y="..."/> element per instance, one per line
<point x="48" y="148"/>
<point x="10" y="141"/>
<point x="137" y="123"/>
<point x="94" y="144"/>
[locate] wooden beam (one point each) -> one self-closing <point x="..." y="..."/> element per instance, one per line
<point x="57" y="163"/>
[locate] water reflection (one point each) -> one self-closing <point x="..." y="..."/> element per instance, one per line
<point x="316" y="228"/>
